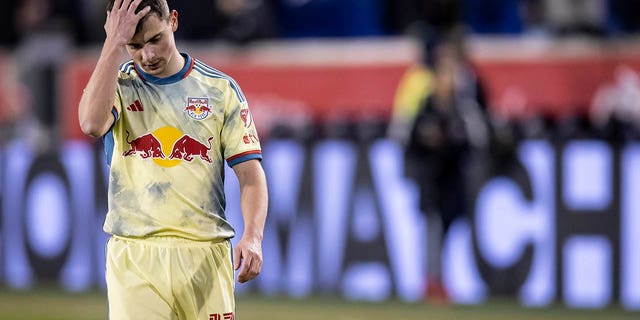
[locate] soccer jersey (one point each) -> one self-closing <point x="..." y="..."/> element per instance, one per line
<point x="167" y="150"/>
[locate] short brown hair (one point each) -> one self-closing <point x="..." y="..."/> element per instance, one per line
<point x="158" y="7"/>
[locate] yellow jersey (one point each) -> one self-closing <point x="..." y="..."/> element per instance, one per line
<point x="167" y="150"/>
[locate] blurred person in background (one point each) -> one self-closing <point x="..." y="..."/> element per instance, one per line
<point x="576" y="17"/>
<point x="12" y="103"/>
<point x="47" y="30"/>
<point x="449" y="127"/>
<point x="534" y="24"/>
<point x="8" y="39"/>
<point x="428" y="119"/>
<point x="428" y="22"/>
<point x="615" y="111"/>
<point x="235" y="21"/>
<point x="246" y="20"/>
<point x="170" y="254"/>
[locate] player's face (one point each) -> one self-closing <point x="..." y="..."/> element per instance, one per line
<point x="153" y="48"/>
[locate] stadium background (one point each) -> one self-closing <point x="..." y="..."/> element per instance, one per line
<point x="321" y="77"/>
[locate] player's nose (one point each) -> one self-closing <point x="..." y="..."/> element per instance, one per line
<point x="148" y="55"/>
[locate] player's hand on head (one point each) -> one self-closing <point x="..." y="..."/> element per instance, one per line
<point x="247" y="256"/>
<point x="122" y="20"/>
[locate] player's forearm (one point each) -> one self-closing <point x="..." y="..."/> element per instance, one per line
<point x="253" y="200"/>
<point x="94" y="110"/>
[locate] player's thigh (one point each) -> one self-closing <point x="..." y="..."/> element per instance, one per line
<point x="134" y="290"/>
<point x="204" y="283"/>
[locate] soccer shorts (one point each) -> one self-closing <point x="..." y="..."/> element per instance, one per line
<point x="169" y="278"/>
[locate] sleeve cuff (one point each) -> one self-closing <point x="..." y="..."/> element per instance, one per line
<point x="245" y="156"/>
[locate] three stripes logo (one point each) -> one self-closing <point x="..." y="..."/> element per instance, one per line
<point x="135" y="106"/>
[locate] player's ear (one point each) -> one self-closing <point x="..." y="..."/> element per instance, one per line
<point x="173" y="20"/>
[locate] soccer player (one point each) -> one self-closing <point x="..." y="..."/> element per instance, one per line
<point x="169" y="123"/>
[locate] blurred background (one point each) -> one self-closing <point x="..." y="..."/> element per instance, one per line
<point x="447" y="151"/>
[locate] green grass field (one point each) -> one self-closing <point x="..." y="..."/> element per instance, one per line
<point x="50" y="305"/>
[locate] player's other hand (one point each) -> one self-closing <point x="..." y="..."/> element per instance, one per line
<point x="247" y="256"/>
<point x="122" y="21"/>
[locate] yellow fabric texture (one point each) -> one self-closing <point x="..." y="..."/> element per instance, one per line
<point x="169" y="278"/>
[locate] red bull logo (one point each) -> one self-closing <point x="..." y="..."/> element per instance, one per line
<point x="187" y="147"/>
<point x="146" y="145"/>
<point x="198" y="108"/>
<point x="168" y="147"/>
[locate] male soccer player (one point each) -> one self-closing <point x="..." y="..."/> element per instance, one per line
<point x="169" y="122"/>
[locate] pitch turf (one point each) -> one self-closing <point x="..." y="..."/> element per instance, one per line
<point x="50" y="304"/>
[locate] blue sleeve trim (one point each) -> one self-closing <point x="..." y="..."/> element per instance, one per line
<point x="244" y="158"/>
<point x="108" y="143"/>
<point x="107" y="139"/>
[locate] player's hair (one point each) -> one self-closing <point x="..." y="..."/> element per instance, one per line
<point x="158" y="7"/>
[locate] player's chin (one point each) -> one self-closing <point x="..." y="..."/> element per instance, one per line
<point x="155" y="69"/>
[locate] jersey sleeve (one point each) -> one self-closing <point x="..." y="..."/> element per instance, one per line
<point x="107" y="140"/>
<point x="239" y="137"/>
<point x="117" y="99"/>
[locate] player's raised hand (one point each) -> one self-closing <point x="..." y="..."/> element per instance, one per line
<point x="247" y="256"/>
<point x="122" y="20"/>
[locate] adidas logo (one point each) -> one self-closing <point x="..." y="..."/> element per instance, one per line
<point x="136" y="106"/>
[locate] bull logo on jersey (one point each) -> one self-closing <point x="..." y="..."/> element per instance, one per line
<point x="198" y="108"/>
<point x="246" y="117"/>
<point x="186" y="147"/>
<point x="146" y="145"/>
<point x="168" y="147"/>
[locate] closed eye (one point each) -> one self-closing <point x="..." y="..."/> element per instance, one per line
<point x="155" y="39"/>
<point x="134" y="46"/>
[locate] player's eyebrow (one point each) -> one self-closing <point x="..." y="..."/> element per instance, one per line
<point x="156" y="36"/>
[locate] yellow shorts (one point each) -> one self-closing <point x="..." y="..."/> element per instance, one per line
<point x="169" y="278"/>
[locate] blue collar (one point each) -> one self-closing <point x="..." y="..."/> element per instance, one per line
<point x="183" y="73"/>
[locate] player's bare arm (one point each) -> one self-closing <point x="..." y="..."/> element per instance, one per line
<point x="247" y="255"/>
<point x="94" y="110"/>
